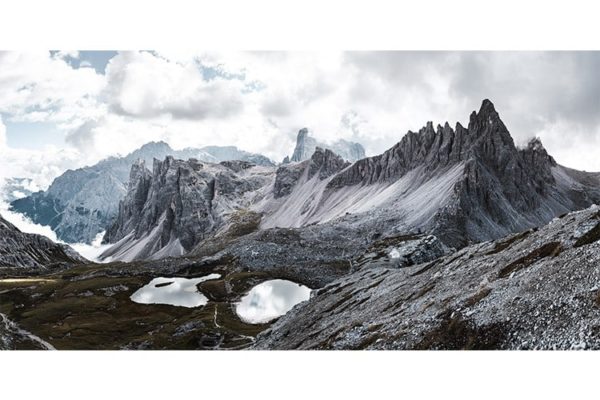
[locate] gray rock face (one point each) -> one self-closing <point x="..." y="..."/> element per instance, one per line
<point x="170" y="210"/>
<point x="306" y="146"/>
<point x="534" y="290"/>
<point x="286" y="178"/>
<point x="24" y="250"/>
<point x="82" y="203"/>
<point x="402" y="251"/>
<point x="473" y="183"/>
<point x="325" y="163"/>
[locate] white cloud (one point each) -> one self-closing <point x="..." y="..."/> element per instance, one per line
<point x="37" y="84"/>
<point x="144" y="85"/>
<point x="24" y="224"/>
<point x="3" y="141"/>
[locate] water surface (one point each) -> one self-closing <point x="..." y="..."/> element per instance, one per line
<point x="270" y="299"/>
<point x="173" y="291"/>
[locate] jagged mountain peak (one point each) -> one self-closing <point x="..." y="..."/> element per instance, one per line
<point x="535" y="145"/>
<point x="306" y="146"/>
<point x="487" y="107"/>
<point x="326" y="163"/>
<point x="487" y="121"/>
<point x="303" y="132"/>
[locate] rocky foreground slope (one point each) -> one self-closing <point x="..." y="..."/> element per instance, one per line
<point x="24" y="250"/>
<point x="538" y="289"/>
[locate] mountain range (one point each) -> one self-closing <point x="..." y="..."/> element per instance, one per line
<point x="81" y="203"/>
<point x="463" y="185"/>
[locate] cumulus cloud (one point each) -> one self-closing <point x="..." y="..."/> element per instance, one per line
<point x="141" y="84"/>
<point x="3" y="141"/>
<point x="37" y="85"/>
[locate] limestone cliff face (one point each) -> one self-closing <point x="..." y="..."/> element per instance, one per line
<point x="170" y="210"/>
<point x="502" y="188"/>
<point x="323" y="162"/>
<point x="460" y="184"/>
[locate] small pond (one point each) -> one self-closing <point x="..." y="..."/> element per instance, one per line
<point x="270" y="299"/>
<point x="173" y="291"/>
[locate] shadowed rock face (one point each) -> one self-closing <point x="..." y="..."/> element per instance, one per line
<point x="486" y="140"/>
<point x="169" y="210"/>
<point x="325" y="163"/>
<point x="18" y="249"/>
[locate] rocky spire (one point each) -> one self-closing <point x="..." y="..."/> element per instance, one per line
<point x="304" y="146"/>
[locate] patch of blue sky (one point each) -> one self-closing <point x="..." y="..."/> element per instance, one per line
<point x="32" y="135"/>
<point x="97" y="59"/>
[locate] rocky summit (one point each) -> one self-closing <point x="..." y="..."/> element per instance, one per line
<point x="170" y="210"/>
<point x="462" y="185"/>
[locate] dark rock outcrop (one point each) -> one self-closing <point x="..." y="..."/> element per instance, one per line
<point x="24" y="250"/>
<point x="286" y="178"/>
<point x="168" y="211"/>
<point x="502" y="189"/>
<point x="325" y="163"/>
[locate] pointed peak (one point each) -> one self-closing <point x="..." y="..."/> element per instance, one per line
<point x="302" y="132"/>
<point x="535" y="143"/>
<point x="487" y="107"/>
<point x="536" y="150"/>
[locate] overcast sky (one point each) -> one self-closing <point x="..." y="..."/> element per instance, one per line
<point x="62" y="110"/>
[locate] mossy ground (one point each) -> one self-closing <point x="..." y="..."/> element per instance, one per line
<point x="89" y="307"/>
